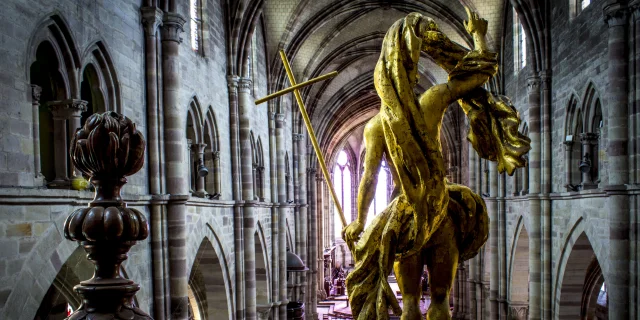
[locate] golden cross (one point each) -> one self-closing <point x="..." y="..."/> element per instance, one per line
<point x="294" y="87"/>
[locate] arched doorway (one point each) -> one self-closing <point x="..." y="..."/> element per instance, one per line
<point x="519" y="289"/>
<point x="583" y="285"/>
<point x="208" y="294"/>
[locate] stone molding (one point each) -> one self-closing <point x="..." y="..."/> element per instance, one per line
<point x="232" y="83"/>
<point x="151" y="20"/>
<point x="244" y="85"/>
<point x="172" y="27"/>
<point x="615" y="14"/>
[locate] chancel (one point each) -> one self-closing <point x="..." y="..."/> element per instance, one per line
<point x="326" y="159"/>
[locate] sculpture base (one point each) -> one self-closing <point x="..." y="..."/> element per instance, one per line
<point x="108" y="301"/>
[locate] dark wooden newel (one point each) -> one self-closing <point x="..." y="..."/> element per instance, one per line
<point x="106" y="150"/>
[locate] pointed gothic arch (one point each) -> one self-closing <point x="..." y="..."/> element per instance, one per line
<point x="213" y="181"/>
<point x="263" y="275"/>
<point x="519" y="273"/>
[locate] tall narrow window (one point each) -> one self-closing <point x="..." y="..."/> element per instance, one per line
<point x="342" y="185"/>
<point x="196" y="25"/>
<point x="519" y="44"/>
<point x="381" y="198"/>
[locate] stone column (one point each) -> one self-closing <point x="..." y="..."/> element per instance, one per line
<point x="568" y="147"/>
<point x="64" y="111"/>
<point x="320" y="244"/>
<point x="588" y="140"/>
<point x="615" y="15"/>
<point x="275" y="219"/>
<point x="535" y="210"/>
<point x="217" y="191"/>
<point x="545" y="182"/>
<point x="177" y="184"/>
<point x="473" y="184"/>
<point x="35" y="115"/>
<point x="151" y="20"/>
<point x="282" y="213"/>
<point x="245" y="109"/>
<point x="502" y="245"/>
<point x="198" y="151"/>
<point x="313" y="245"/>
<point x="75" y="122"/>
<point x="238" y="237"/>
<point x="492" y="207"/>
<point x="302" y="212"/>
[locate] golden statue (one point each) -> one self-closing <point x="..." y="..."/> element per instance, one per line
<point x="429" y="220"/>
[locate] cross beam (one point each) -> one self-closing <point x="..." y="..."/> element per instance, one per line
<point x="295" y="88"/>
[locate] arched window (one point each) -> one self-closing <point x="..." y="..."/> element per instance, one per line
<point x="342" y="185"/>
<point x="577" y="6"/>
<point x="195" y="11"/>
<point x="519" y="44"/>
<point x="381" y="198"/>
<point x="258" y="168"/>
<point x="196" y="149"/>
<point x="213" y="183"/>
<point x="287" y="179"/>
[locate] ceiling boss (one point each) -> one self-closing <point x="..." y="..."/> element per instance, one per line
<point x="429" y="220"/>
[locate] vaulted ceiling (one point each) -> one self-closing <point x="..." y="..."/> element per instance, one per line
<point x="346" y="36"/>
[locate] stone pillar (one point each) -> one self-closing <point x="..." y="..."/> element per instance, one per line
<point x="615" y="15"/>
<point x="302" y="213"/>
<point x="238" y="237"/>
<point x="217" y="191"/>
<point x="275" y="219"/>
<point x="245" y="109"/>
<point x="473" y="184"/>
<point x="588" y="140"/>
<point x="492" y="207"/>
<point x="568" y="147"/>
<point x="177" y="184"/>
<point x="198" y="151"/>
<point x="282" y="213"/>
<point x="320" y="244"/>
<point x="545" y="182"/>
<point x="151" y="20"/>
<point x="64" y="111"/>
<point x="35" y="114"/>
<point x="502" y="246"/>
<point x="312" y="308"/>
<point x="535" y="210"/>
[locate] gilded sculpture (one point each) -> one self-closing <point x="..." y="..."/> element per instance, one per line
<point x="429" y="220"/>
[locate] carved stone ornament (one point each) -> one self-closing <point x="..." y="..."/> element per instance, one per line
<point x="172" y="27"/>
<point x="151" y="19"/>
<point x="615" y="14"/>
<point x="107" y="149"/>
<point x="36" y="91"/>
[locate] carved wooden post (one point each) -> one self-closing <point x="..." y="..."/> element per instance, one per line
<point x="108" y="148"/>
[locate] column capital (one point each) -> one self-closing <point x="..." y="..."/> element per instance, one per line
<point x="279" y="117"/>
<point x="634" y="7"/>
<point x="216" y="155"/>
<point x="272" y="115"/>
<point x="615" y="14"/>
<point x="198" y="147"/>
<point x="244" y="84"/>
<point x="312" y="171"/>
<point x="589" y="138"/>
<point x="151" y="19"/>
<point x="67" y="109"/>
<point x="545" y="78"/>
<point x="297" y="136"/>
<point x="533" y="84"/>
<point x="232" y="82"/>
<point x="36" y="91"/>
<point x="172" y="27"/>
